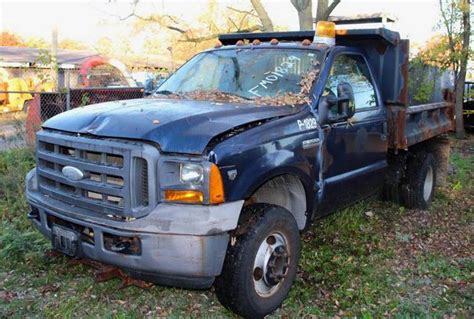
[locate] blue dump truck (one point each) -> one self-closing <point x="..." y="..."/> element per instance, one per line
<point x="212" y="180"/>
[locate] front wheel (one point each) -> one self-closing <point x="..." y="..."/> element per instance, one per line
<point x="261" y="261"/>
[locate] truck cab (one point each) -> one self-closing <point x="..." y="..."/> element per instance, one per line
<point x="212" y="179"/>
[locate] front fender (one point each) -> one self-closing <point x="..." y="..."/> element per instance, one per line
<point x="258" y="170"/>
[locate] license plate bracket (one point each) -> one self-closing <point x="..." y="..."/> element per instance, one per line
<point x="66" y="240"/>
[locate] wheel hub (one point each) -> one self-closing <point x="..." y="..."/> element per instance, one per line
<point x="277" y="266"/>
<point x="271" y="264"/>
<point x="428" y="184"/>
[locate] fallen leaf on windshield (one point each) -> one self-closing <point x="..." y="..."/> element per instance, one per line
<point x="287" y="99"/>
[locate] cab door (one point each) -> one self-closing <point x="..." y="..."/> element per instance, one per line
<point x="354" y="150"/>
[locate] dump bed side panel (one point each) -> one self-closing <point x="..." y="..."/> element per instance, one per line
<point x="415" y="124"/>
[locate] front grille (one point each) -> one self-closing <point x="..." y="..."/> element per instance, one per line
<point x="115" y="173"/>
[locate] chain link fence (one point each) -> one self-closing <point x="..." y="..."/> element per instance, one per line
<point x="23" y="112"/>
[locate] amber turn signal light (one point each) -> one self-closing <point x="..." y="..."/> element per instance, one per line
<point x="216" y="187"/>
<point x="184" y="196"/>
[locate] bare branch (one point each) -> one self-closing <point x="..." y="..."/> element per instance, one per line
<point x="331" y="8"/>
<point x="262" y="15"/>
<point x="172" y="23"/>
<point x="250" y="12"/>
<point x="175" y="29"/>
<point x="235" y="25"/>
<point x="215" y="35"/>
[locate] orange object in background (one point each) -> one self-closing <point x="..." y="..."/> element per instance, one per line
<point x="3" y="95"/>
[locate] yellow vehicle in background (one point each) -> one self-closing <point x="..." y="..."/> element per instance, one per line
<point x="14" y="101"/>
<point x="25" y="71"/>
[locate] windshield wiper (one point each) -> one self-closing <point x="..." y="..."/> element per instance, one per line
<point x="164" y="92"/>
<point x="237" y="95"/>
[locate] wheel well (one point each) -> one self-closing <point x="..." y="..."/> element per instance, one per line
<point x="286" y="191"/>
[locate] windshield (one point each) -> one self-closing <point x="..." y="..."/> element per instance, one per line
<point x="245" y="73"/>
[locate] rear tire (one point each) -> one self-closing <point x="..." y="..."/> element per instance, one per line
<point x="260" y="265"/>
<point x="418" y="188"/>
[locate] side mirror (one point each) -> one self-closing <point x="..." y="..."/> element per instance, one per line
<point x="328" y="113"/>
<point x="325" y="104"/>
<point x="345" y="101"/>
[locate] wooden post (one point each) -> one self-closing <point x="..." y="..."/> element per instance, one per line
<point x="54" y="57"/>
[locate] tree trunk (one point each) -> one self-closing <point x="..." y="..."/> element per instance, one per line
<point x="458" y="108"/>
<point x="305" y="18"/>
<point x="325" y="9"/>
<point x="461" y="78"/>
<point x="321" y="9"/>
<point x="262" y="15"/>
<point x="305" y="13"/>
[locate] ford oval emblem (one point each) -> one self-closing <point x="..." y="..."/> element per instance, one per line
<point x="73" y="173"/>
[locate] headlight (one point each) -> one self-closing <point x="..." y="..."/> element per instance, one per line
<point x="185" y="181"/>
<point x="191" y="173"/>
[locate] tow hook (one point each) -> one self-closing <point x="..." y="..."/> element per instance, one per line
<point x="33" y="214"/>
<point x="120" y="246"/>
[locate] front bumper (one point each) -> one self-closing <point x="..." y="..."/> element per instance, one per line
<point x="181" y="245"/>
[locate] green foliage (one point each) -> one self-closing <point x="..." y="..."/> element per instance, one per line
<point x="452" y="23"/>
<point x="420" y="83"/>
<point x="85" y="99"/>
<point x="464" y="177"/>
<point x="18" y="246"/>
<point x="14" y="165"/>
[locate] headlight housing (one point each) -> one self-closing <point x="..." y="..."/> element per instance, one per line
<point x="190" y="181"/>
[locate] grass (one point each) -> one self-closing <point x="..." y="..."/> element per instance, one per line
<point x="374" y="259"/>
<point x="12" y="130"/>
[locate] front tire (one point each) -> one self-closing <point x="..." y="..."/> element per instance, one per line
<point x="418" y="189"/>
<point x="261" y="261"/>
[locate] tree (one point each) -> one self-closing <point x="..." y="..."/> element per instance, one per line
<point x="185" y="38"/>
<point x="325" y="9"/>
<point x="8" y="39"/>
<point x="36" y="42"/>
<point x="71" y="44"/>
<point x="305" y="11"/>
<point x="104" y="46"/>
<point x="262" y="15"/>
<point x="436" y="52"/>
<point x="455" y="18"/>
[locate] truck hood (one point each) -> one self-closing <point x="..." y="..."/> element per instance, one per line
<point x="177" y="126"/>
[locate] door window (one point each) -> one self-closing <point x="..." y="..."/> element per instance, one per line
<point x="354" y="70"/>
